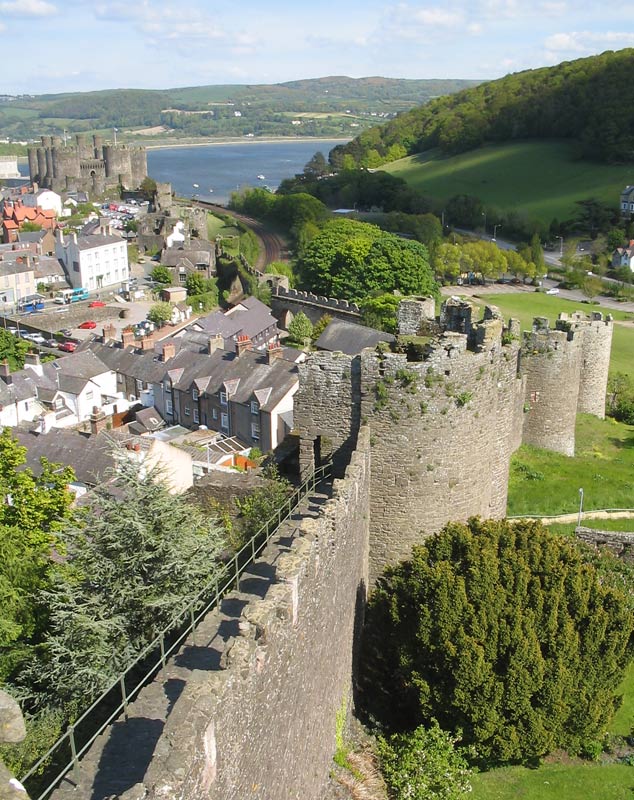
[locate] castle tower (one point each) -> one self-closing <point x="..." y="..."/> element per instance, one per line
<point x="596" y="332"/>
<point x="551" y="363"/>
<point x="98" y="146"/>
<point x="33" y="168"/>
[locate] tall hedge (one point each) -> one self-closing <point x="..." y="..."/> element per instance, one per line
<point x="504" y="631"/>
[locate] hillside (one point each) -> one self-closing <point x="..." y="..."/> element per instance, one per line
<point x="329" y="106"/>
<point x="590" y="100"/>
<point x="540" y="179"/>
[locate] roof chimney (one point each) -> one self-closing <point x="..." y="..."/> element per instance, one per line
<point x="273" y="352"/>
<point x="147" y="343"/>
<point x="169" y="351"/>
<point x="243" y="343"/>
<point x="5" y="372"/>
<point x="109" y="332"/>
<point x="32" y="360"/>
<point x="127" y="338"/>
<point x="215" y="343"/>
<point x="98" y="420"/>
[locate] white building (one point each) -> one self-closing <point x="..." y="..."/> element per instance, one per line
<point x="95" y="260"/>
<point x="44" y="199"/>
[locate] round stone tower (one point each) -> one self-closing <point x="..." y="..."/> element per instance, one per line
<point x="551" y="364"/>
<point x="33" y="168"/>
<point x="596" y="333"/>
<point x="98" y="146"/>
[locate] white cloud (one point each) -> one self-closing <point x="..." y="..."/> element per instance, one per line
<point x="437" y="17"/>
<point x="586" y="41"/>
<point x="28" y="8"/>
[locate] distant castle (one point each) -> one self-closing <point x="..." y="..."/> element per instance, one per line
<point x="88" y="165"/>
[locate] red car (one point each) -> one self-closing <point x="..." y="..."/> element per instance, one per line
<point x="68" y="347"/>
<point x="96" y="304"/>
<point x="88" y="325"/>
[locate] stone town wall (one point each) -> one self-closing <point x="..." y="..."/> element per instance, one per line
<point x="264" y="727"/>
<point x="314" y="306"/>
<point x="596" y="334"/>
<point x="622" y="544"/>
<point x="441" y="440"/>
<point x="551" y="361"/>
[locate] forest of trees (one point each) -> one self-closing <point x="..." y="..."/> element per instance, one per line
<point x="590" y="100"/>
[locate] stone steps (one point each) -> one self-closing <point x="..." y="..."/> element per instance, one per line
<point x="119" y="757"/>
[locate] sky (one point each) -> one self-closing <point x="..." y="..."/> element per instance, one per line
<point x="77" y="45"/>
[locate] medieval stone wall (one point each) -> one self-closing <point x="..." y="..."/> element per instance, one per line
<point x="314" y="306"/>
<point x="249" y="710"/>
<point x="596" y="334"/>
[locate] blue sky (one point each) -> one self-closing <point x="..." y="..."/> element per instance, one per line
<point x="72" y="45"/>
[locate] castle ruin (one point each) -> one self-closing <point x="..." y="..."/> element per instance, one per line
<point x="88" y="165"/>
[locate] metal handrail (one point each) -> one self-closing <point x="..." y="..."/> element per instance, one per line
<point x="226" y="578"/>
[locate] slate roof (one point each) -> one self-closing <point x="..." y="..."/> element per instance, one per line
<point x="97" y="240"/>
<point x="172" y="255"/>
<point x="89" y="456"/>
<point x="347" y="337"/>
<point x="243" y="375"/>
<point x="249" y="318"/>
<point x="22" y="387"/>
<point x="144" y="366"/>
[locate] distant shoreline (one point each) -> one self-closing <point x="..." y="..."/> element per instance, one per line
<point x="243" y="140"/>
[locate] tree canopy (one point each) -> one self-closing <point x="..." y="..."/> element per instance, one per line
<point x="351" y="260"/>
<point x="501" y="630"/>
<point x="589" y="99"/>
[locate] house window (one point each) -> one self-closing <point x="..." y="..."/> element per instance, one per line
<point x="89" y="395"/>
<point x="194" y="394"/>
<point x="224" y="421"/>
<point x="169" y="409"/>
<point x="196" y="416"/>
<point x="119" y="377"/>
<point x="255" y="407"/>
<point x="168" y="387"/>
<point x="59" y="403"/>
<point x="139" y="386"/>
<point x="223" y="398"/>
<point x="214" y="413"/>
<point x="187" y="411"/>
<point x="255" y="431"/>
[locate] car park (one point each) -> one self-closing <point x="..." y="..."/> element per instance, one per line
<point x="68" y="347"/>
<point x="88" y="325"/>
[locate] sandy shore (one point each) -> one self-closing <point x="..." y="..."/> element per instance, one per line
<point x="241" y="140"/>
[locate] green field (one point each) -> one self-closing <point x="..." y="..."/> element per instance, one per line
<point x="526" y="305"/>
<point x="622" y="525"/>
<point x="543" y="482"/>
<point x="556" y="782"/>
<point x="543" y="179"/>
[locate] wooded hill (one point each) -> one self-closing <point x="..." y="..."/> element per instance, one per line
<point x="210" y="110"/>
<point x="590" y="100"/>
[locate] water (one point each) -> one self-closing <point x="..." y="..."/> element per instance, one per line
<point x="227" y="167"/>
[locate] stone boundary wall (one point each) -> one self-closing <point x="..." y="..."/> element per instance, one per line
<point x="264" y="726"/>
<point x="248" y="709"/>
<point x="622" y="544"/>
<point x="314" y="306"/>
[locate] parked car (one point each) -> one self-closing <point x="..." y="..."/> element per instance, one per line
<point x="66" y="332"/>
<point x="68" y="347"/>
<point x="36" y="338"/>
<point x="52" y="343"/>
<point x="96" y="304"/>
<point x="88" y="325"/>
<point x="553" y="290"/>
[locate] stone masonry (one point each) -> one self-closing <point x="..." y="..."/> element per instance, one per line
<point x="248" y="709"/>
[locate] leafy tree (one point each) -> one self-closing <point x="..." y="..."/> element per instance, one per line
<point x="281" y="268"/>
<point x="501" y="630"/>
<point x="591" y="286"/>
<point x="537" y="254"/>
<point x="615" y="238"/>
<point x="161" y="274"/>
<point x="379" y="312"/>
<point x="317" y="166"/>
<point x="13" y="350"/>
<point x="140" y="557"/>
<point x="31" y="514"/>
<point x="160" y="313"/>
<point x="424" y="765"/>
<point x="148" y="188"/>
<point x="352" y="259"/>
<point x="300" y="329"/>
<point x="195" y="283"/>
<point x="320" y="326"/>
<point x="259" y="506"/>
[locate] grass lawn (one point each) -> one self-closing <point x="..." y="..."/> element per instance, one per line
<point x="622" y="525"/>
<point x="556" y="782"/>
<point x="543" y="179"/>
<point x="526" y="305"/>
<point x="542" y="482"/>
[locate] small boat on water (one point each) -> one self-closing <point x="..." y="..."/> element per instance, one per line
<point x="195" y="185"/>
<point x="261" y="177"/>
<point x="211" y="190"/>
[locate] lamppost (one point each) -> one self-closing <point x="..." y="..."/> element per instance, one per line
<point x="484" y="214"/>
<point x="115" y="136"/>
<point x="561" y="245"/>
<point x="580" y="508"/>
<point x="495" y="227"/>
